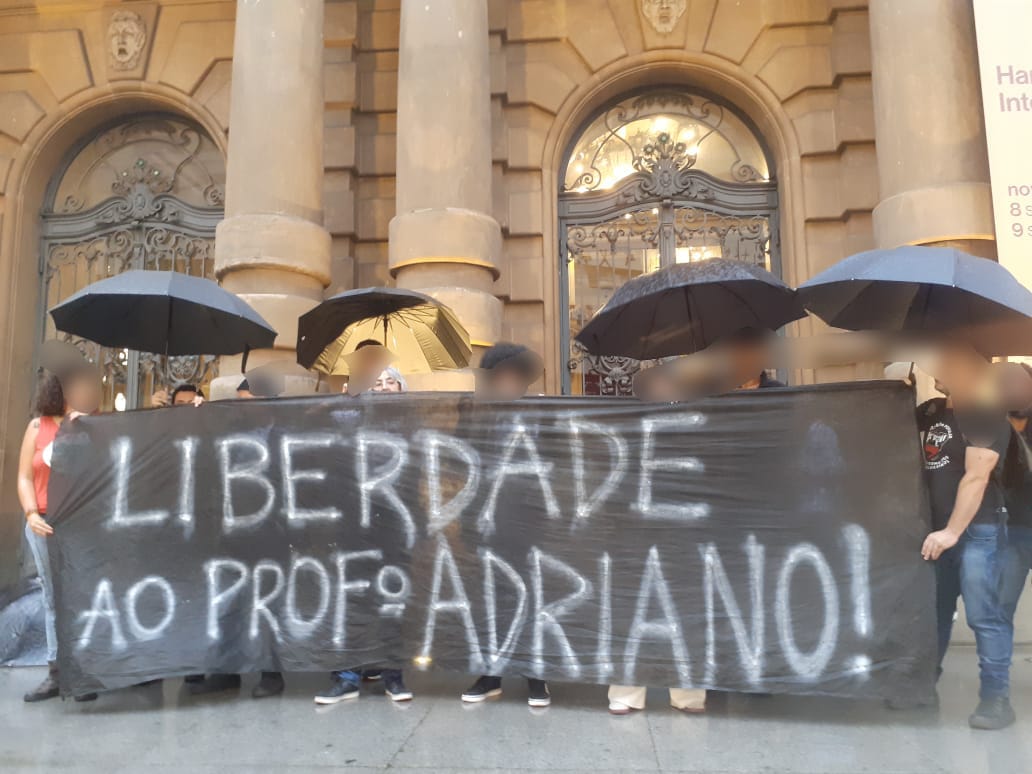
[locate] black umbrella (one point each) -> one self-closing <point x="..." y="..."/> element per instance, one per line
<point x="928" y="290"/>
<point x="165" y="313"/>
<point x="684" y="308"/>
<point x="422" y="334"/>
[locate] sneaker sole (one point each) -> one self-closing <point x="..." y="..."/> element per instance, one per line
<point x="479" y="697"/>
<point x="539" y="702"/>
<point x="407" y="696"/>
<point x="990" y="725"/>
<point x="40" y="697"/>
<point x="325" y="700"/>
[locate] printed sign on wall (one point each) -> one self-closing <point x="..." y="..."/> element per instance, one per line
<point x="1003" y="28"/>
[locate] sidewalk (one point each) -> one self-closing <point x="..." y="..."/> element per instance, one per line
<point x="162" y="729"/>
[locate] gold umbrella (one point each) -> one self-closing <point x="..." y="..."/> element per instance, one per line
<point x="422" y="334"/>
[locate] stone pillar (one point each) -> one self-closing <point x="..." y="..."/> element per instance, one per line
<point x="272" y="249"/>
<point x="930" y="135"/>
<point x="442" y="242"/>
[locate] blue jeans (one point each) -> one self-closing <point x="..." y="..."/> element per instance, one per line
<point x="41" y="555"/>
<point x="1016" y="567"/>
<point x="354" y="676"/>
<point x="972" y="570"/>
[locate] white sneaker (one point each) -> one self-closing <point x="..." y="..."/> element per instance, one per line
<point x="619" y="708"/>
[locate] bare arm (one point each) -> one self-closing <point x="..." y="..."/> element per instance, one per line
<point x="978" y="468"/>
<point x="26" y="487"/>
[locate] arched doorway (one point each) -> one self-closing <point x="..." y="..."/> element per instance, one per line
<point x="145" y="193"/>
<point x="663" y="177"/>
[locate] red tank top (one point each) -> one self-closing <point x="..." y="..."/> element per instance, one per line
<point x="48" y="427"/>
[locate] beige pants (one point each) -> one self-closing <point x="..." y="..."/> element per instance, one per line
<point x="681" y="698"/>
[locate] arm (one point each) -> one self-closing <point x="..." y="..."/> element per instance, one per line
<point x="978" y="467"/>
<point x="26" y="488"/>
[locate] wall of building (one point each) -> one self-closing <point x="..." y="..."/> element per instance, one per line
<point x="59" y="82"/>
<point x="800" y="70"/>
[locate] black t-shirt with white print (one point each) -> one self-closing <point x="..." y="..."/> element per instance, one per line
<point x="945" y="436"/>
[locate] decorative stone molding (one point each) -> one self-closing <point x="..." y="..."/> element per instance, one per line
<point x="127" y="35"/>
<point x="663" y="15"/>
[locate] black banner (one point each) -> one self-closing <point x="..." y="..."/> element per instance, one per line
<point x="760" y="541"/>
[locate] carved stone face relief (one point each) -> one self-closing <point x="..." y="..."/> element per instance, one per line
<point x="126" y="37"/>
<point x="663" y="15"/>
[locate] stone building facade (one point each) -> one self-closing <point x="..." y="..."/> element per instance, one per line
<point x="515" y="158"/>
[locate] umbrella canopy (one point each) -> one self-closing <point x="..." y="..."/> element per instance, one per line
<point x="164" y="312"/>
<point x="423" y="334"/>
<point x="684" y="308"/>
<point x="928" y="290"/>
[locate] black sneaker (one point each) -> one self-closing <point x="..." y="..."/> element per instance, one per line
<point x="86" y="697"/>
<point x="215" y="684"/>
<point x="48" y="689"/>
<point x="339" y="691"/>
<point x="372" y="675"/>
<point x="271" y="684"/>
<point x="193" y="679"/>
<point x="484" y="688"/>
<point x="538" y="695"/>
<point x="394" y="687"/>
<point x="906" y="704"/>
<point x="992" y="714"/>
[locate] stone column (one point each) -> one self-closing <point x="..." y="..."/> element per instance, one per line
<point x="272" y="248"/>
<point x="930" y="135"/>
<point x="442" y="241"/>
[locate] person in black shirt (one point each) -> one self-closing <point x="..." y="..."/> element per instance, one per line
<point x="964" y="439"/>
<point x="1016" y="394"/>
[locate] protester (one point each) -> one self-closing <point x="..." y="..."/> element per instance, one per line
<point x="506" y="372"/>
<point x="656" y="385"/>
<point x="263" y="382"/>
<point x="366" y="366"/>
<point x="747" y="359"/>
<point x="59" y="398"/>
<point x="182" y="395"/>
<point x="1016" y="395"/>
<point x="368" y="371"/>
<point x="390" y="380"/>
<point x="964" y="438"/>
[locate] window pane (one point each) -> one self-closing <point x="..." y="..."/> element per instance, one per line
<point x="711" y="137"/>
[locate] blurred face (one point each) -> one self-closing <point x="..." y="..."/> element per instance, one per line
<point x="83" y="392"/>
<point x="660" y="387"/>
<point x="386" y="382"/>
<point x="960" y="372"/>
<point x="748" y="359"/>
<point x="502" y="384"/>
<point x="367" y="363"/>
<point x="1015" y="387"/>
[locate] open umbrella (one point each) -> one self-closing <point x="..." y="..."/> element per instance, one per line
<point x="930" y="290"/>
<point x="423" y="334"/>
<point x="163" y="312"/>
<point x="684" y="308"/>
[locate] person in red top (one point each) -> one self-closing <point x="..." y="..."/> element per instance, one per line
<point x="76" y="392"/>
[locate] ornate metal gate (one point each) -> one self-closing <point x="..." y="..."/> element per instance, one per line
<point x="661" y="178"/>
<point x="144" y="194"/>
